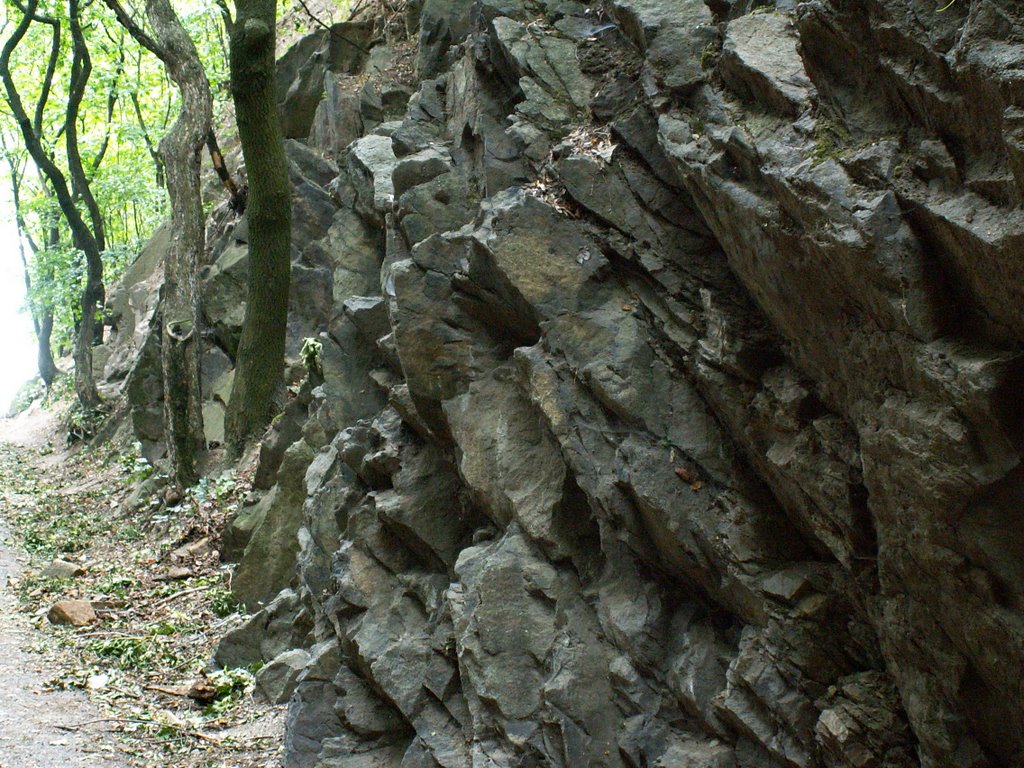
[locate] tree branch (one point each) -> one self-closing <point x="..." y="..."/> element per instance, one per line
<point x="225" y="14"/>
<point x="223" y="173"/>
<point x="135" y="30"/>
<point x="150" y="147"/>
<point x="330" y="29"/>
<point x="111" y="103"/>
<point x="51" y="68"/>
<point x="81" y="70"/>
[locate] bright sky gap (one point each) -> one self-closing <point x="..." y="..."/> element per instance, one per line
<point x="17" y="344"/>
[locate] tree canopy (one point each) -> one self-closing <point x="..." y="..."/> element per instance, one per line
<point x="127" y="107"/>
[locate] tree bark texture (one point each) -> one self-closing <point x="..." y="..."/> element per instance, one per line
<point x="181" y="152"/>
<point x="259" y="364"/>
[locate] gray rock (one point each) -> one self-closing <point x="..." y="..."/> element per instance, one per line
<point x="369" y="315"/>
<point x="276" y="680"/>
<point x="442" y="23"/>
<point x="698" y="449"/>
<point x="512" y="463"/>
<point x="302" y="69"/>
<point x="676" y="38"/>
<point x="419" y="168"/>
<point x="337" y="122"/>
<point x="268" y="563"/>
<point x="425" y="508"/>
<point x="548" y="60"/>
<point x="131" y="305"/>
<point x="760" y="61"/>
<point x="371" y="161"/>
<point x="281" y="626"/>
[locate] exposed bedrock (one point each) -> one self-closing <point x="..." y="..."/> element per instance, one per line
<point x="670" y="412"/>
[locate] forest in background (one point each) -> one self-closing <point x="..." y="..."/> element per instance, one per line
<point x="127" y="105"/>
<point x="109" y="113"/>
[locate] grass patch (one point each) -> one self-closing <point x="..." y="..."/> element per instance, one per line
<point x="223" y="603"/>
<point x="127" y="652"/>
<point x="831" y="140"/>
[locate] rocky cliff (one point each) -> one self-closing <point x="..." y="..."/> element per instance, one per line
<point x="670" y="401"/>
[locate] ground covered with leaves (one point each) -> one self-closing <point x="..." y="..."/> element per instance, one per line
<point x="99" y="527"/>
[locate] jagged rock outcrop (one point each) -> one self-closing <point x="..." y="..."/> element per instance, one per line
<point x="672" y="358"/>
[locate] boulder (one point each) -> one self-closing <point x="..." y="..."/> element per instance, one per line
<point x="76" y="613"/>
<point x="302" y="69"/>
<point x="760" y="61"/>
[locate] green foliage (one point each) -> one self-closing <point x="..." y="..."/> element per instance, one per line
<point x="831" y="139"/>
<point x="128" y="534"/>
<point x="312" y="355"/>
<point x="34" y="587"/>
<point x="223" y="603"/>
<point x="216" y="489"/>
<point x="82" y="423"/>
<point x="135" y="466"/>
<point x="231" y="685"/>
<point x="116" y="585"/>
<point x="50" y="526"/>
<point x="708" y="56"/>
<point x="126" y="652"/>
<point x="62" y="389"/>
<point x="169" y="627"/>
<point x="128" y="106"/>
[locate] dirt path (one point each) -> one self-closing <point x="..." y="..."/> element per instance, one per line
<point x="155" y="636"/>
<point x="34" y="723"/>
<point x="30" y="718"/>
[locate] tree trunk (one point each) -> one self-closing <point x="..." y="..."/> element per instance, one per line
<point x="44" y="352"/>
<point x="181" y="151"/>
<point x="180" y="155"/>
<point x="90" y="241"/>
<point x="42" y="314"/>
<point x="259" y="364"/>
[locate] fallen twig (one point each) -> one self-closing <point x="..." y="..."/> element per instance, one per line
<point x="175" y="691"/>
<point x="78" y="726"/>
<point x="176" y="595"/>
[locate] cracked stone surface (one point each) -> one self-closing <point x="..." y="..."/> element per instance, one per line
<point x="680" y="423"/>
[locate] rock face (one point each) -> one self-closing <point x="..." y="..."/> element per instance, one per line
<point x="669" y="414"/>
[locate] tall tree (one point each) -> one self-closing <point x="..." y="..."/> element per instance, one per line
<point x="88" y="240"/>
<point x="259" y="363"/>
<point x="180" y="153"/>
